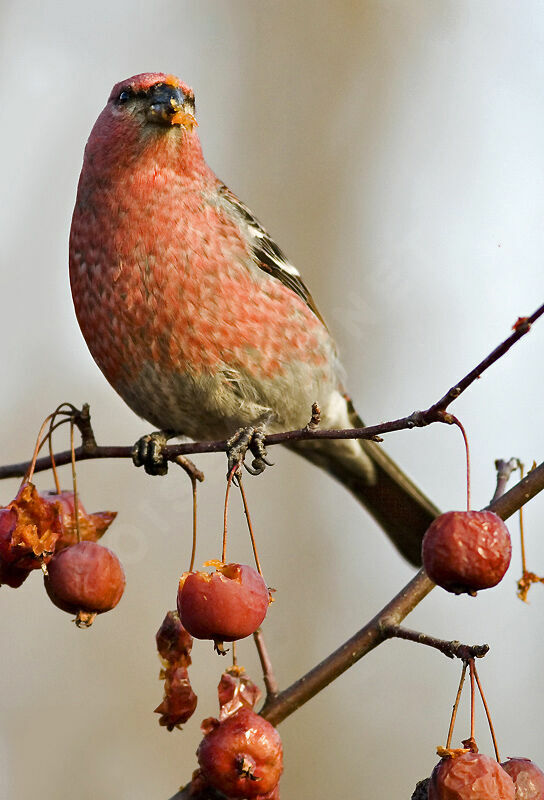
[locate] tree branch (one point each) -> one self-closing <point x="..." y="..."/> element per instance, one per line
<point x="378" y="629"/>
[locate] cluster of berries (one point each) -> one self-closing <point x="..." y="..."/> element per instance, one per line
<point x="468" y="775"/>
<point x="45" y="531"/>
<point x="241" y="753"/>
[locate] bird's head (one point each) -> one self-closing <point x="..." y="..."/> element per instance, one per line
<point x="147" y="117"/>
<point x="154" y="101"/>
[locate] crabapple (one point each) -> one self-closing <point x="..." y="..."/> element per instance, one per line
<point x="224" y="605"/>
<point x="464" y="551"/>
<point x="242" y="755"/>
<point x="86" y="579"/>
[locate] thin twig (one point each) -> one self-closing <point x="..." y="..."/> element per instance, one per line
<point x="504" y="472"/>
<point x="269" y="678"/>
<point x="451" y="649"/>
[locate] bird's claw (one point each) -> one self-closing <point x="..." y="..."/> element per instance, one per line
<point x="245" y="439"/>
<point x="148" y="452"/>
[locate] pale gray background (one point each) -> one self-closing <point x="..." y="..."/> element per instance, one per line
<point x="395" y="149"/>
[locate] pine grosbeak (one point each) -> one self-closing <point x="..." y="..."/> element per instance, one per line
<point x="194" y="314"/>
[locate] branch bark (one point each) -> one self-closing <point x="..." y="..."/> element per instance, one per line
<point x="376" y="631"/>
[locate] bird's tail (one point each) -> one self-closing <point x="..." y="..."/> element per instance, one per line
<point x="395" y="502"/>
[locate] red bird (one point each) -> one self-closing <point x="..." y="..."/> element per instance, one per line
<point x="194" y="314"/>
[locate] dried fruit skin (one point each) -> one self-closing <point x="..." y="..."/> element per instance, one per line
<point x="86" y="577"/>
<point x="244" y="738"/>
<point x="527" y="777"/>
<point x="235" y="692"/>
<point x="29" y="531"/>
<point x="225" y="605"/>
<point x="174" y="644"/>
<point x="464" y="551"/>
<point x="91" y="526"/>
<point x="179" y="701"/>
<point x="471" y="776"/>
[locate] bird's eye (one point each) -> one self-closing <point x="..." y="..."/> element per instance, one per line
<point x="123" y="97"/>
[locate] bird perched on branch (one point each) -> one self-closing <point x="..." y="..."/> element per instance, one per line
<point x="194" y="314"/>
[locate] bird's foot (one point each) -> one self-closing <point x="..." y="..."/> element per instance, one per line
<point x="252" y="439"/>
<point x="148" y="452"/>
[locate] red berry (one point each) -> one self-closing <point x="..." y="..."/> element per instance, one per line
<point x="527" y="777"/>
<point x="225" y="605"/>
<point x="242" y="756"/>
<point x="464" y="551"/>
<point x="470" y="776"/>
<point x="85" y="579"/>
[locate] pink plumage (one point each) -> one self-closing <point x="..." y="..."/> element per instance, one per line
<point x="190" y="309"/>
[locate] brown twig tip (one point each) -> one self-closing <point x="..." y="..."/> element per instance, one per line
<point x="451" y="649"/>
<point x="315" y="419"/>
<point x="190" y="468"/>
<point x="82" y="421"/>
<point x="504" y="471"/>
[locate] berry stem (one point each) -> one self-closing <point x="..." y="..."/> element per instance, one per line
<point x="249" y="525"/>
<point x="467" y="451"/>
<point x="488" y="715"/>
<point x="53" y="465"/>
<point x="74" y="481"/>
<point x="193" y="546"/>
<point x="229" y="484"/>
<point x="472" y="694"/>
<point x="521" y="530"/>
<point x="30" y="471"/>
<point x="456" y="705"/>
<point x="69" y="412"/>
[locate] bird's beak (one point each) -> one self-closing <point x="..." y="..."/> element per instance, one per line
<point x="169" y="107"/>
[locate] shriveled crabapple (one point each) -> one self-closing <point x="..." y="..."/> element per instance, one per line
<point x="91" y="526"/>
<point x="242" y="756"/>
<point x="86" y="579"/>
<point x="179" y="702"/>
<point x="464" y="551"/>
<point x="527" y="777"/>
<point x="224" y="605"/>
<point x="29" y="533"/>
<point x="174" y="643"/>
<point x="470" y="776"/>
